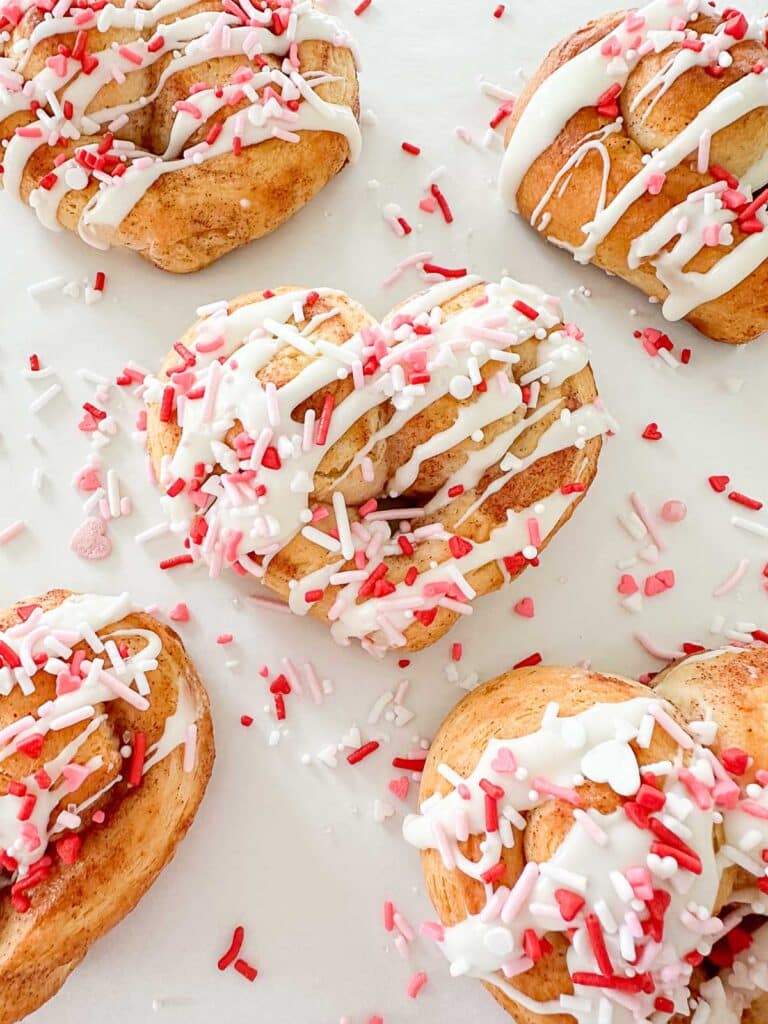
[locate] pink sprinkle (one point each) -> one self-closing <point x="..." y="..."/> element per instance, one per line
<point x="224" y="638"/>
<point x="674" y="511"/>
<point x="645" y="516"/>
<point x="428" y="204"/>
<point x="416" y="984"/>
<point x="433" y="930"/>
<point x="403" y="926"/>
<point x="180" y="613"/>
<point x="670" y="727"/>
<point x="74" y="776"/>
<point x="389" y="916"/>
<point x="754" y="808"/>
<point x="534" y="534"/>
<point x="190" y="748"/>
<point x="12" y="531"/>
<point x="99" y="817"/>
<point x="561" y="792"/>
<point x="733" y="580"/>
<point x="209" y="346"/>
<point x="655" y="183"/>
<point x="711" y="235"/>
<point x="696" y="788"/>
<point x="129" y="54"/>
<point x="522" y="889"/>
<point x="525" y="608"/>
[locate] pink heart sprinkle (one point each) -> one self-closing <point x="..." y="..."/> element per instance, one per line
<point x="74" y="776"/>
<point x="627" y="584"/>
<point x="667" y="577"/>
<point x="634" y="21"/>
<point x="654" y="586"/>
<point x="91" y="540"/>
<point x="180" y="613"/>
<point x="525" y="607"/>
<point x="87" y="480"/>
<point x="428" y="204"/>
<point x="87" y="424"/>
<point x="610" y="47"/>
<point x="504" y="762"/>
<point x="66" y="682"/>
<point x="184" y="381"/>
<point x="399" y="787"/>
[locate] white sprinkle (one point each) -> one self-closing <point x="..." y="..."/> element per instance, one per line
<point x="759" y="529"/>
<point x="43" y="399"/>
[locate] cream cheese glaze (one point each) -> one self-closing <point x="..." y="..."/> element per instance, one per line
<point x="612" y="866"/>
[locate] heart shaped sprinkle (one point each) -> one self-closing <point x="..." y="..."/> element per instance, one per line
<point x="652" y="432"/>
<point x="280" y="685"/>
<point x="91" y="540"/>
<point x="627" y="584"/>
<point x="87" y="480"/>
<point x="399" y="787"/>
<point x="525" y="607"/>
<point x="505" y="762"/>
<point x="612" y="762"/>
<point x="719" y="483"/>
<point x="569" y="903"/>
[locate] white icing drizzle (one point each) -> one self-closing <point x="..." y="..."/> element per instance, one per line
<point x="704" y="219"/>
<point x="100" y="677"/>
<point x="255" y="508"/>
<point x="190" y="40"/>
<point x="610" y="867"/>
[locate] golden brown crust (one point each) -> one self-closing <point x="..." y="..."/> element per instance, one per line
<point x="193" y="216"/>
<point x="300" y="557"/>
<point x="119" y="860"/>
<point x="742" y="313"/>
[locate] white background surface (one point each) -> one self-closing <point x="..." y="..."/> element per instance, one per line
<point x="291" y="851"/>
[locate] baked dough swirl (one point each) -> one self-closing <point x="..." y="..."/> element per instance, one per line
<point x="176" y="128"/>
<point x="378" y="475"/>
<point x="106" y="748"/>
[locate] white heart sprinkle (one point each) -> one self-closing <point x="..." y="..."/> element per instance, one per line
<point x="613" y="762"/>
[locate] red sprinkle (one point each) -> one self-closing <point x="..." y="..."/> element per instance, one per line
<point x="362" y="6"/>
<point x="243" y="967"/>
<point x="409" y="764"/>
<point x="525" y="309"/>
<point x="408" y="147"/>
<point x="137" y="758"/>
<point x="362" y="752"/>
<point x="442" y="202"/>
<point x="166" y="404"/>
<point x="532" y="659"/>
<point x="324" y="422"/>
<point x="499" y="11"/>
<point x="234" y="949"/>
<point x="433" y="268"/>
<point x="171" y="563"/>
<point x="744" y="499"/>
<point x="719" y="483"/>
